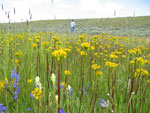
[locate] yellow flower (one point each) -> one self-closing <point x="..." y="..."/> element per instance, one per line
<point x="113" y="56"/>
<point x="92" y="47"/>
<point x="148" y="81"/>
<point x="95" y="54"/>
<point x="132" y="62"/>
<point x="59" y="54"/>
<point x="55" y="39"/>
<point x="51" y="33"/>
<point x="64" y="84"/>
<point x="37" y="37"/>
<point x="19" y="53"/>
<point x="45" y="44"/>
<point x="131" y="51"/>
<point x="96" y="37"/>
<point x="123" y="56"/>
<point x="96" y="67"/>
<point x="101" y="54"/>
<point x="100" y="47"/>
<point x="11" y="39"/>
<point x="137" y="50"/>
<point x="82" y="37"/>
<point x="5" y="81"/>
<point x="99" y="73"/>
<point x="1" y="85"/>
<point x="37" y="40"/>
<point x="111" y="64"/>
<point x="148" y="56"/>
<point x="30" y="81"/>
<point x="67" y="72"/>
<point x="34" y="45"/>
<point x="17" y="61"/>
<point x="47" y="49"/>
<point x="85" y="45"/>
<point x="83" y="53"/>
<point x="29" y="39"/>
<point x="144" y="72"/>
<point x="140" y="61"/>
<point x="105" y="51"/>
<point x="67" y="50"/>
<point x="36" y="93"/>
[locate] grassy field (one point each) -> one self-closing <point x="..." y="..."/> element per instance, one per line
<point x="127" y="26"/>
<point x="90" y="72"/>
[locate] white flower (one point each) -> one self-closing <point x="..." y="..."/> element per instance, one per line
<point x="37" y="79"/>
<point x="69" y="87"/>
<point x="53" y="78"/>
<point x="133" y="93"/>
<point x="56" y="97"/>
<point x="105" y="104"/>
<point x="38" y="84"/>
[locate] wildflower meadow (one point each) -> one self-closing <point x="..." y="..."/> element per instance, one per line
<point x="47" y="72"/>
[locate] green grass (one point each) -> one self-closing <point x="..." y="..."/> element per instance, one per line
<point x="80" y="68"/>
<point x="125" y="26"/>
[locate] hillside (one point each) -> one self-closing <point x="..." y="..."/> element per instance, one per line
<point x="126" y="26"/>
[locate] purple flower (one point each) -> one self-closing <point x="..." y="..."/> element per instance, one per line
<point x="16" y="78"/>
<point x="103" y="103"/>
<point x="62" y="111"/>
<point x="70" y="91"/>
<point x="15" y="84"/>
<point x="83" y="89"/>
<point x="29" y="109"/>
<point x="88" y="85"/>
<point x="61" y="86"/>
<point x="32" y="95"/>
<point x="2" y="108"/>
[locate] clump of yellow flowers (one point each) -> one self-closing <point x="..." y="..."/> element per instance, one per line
<point x="85" y="45"/>
<point x="111" y="64"/>
<point x="67" y="72"/>
<point x="36" y="93"/>
<point x="19" y="53"/>
<point x="60" y="53"/>
<point x="113" y="56"/>
<point x="96" y="67"/>
<point x="2" y="83"/>
<point x="82" y="53"/>
<point x="140" y="71"/>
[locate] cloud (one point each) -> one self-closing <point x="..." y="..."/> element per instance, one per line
<point x="63" y="9"/>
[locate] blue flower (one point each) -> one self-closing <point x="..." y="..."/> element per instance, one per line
<point x="16" y="78"/>
<point x="103" y="103"/>
<point x="83" y="89"/>
<point x="70" y="92"/>
<point x="29" y="109"/>
<point x="88" y="85"/>
<point x="61" y="86"/>
<point x="32" y="95"/>
<point x="2" y="108"/>
<point x="62" y="111"/>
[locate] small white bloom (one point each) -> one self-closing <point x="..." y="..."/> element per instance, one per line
<point x="37" y="79"/>
<point x="40" y="86"/>
<point x="69" y="87"/>
<point x="53" y="78"/>
<point x="56" y="97"/>
<point x="133" y="93"/>
<point x="108" y="94"/>
<point x="105" y="104"/>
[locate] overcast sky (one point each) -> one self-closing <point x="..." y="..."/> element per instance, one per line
<point x="71" y="9"/>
